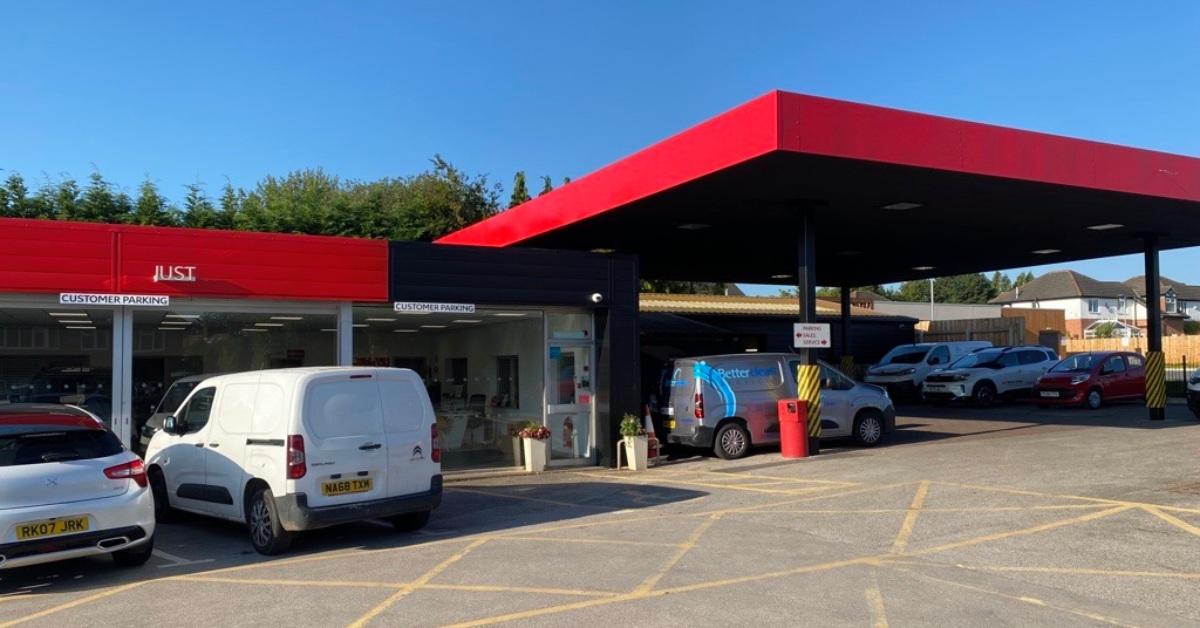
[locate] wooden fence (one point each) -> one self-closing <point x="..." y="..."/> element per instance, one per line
<point x="1175" y="348"/>
<point x="1000" y="331"/>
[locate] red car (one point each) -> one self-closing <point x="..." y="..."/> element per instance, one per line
<point x="1093" y="379"/>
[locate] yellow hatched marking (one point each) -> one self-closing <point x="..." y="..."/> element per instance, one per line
<point x="1021" y="532"/>
<point x="647" y="585"/>
<point x="544" y="539"/>
<point x="73" y="603"/>
<point x="910" y="520"/>
<point x="1173" y="520"/>
<point x="875" y="602"/>
<point x="419" y="582"/>
<point x="1069" y="571"/>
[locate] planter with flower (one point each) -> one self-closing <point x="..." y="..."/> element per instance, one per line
<point x="636" y="442"/>
<point x="536" y="441"/>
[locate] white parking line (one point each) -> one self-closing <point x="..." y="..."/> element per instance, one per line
<point x="177" y="561"/>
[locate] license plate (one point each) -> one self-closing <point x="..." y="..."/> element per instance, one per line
<point x="51" y="527"/>
<point x="1049" y="393"/>
<point x="669" y="424"/>
<point x="345" y="487"/>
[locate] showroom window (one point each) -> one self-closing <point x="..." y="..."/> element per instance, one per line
<point x="57" y="355"/>
<point x="194" y="339"/>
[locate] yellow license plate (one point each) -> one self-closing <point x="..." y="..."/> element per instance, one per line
<point x="51" y="527"/>
<point x="345" y="487"/>
<point x="669" y="424"/>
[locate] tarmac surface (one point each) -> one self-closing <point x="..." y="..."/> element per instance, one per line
<point x="1006" y="516"/>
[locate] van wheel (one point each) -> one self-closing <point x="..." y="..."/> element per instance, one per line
<point x="134" y="556"/>
<point x="732" y="441"/>
<point x="409" y="522"/>
<point x="1094" y="399"/>
<point x="163" y="513"/>
<point x="266" y="533"/>
<point x="868" y="428"/>
<point x="984" y="395"/>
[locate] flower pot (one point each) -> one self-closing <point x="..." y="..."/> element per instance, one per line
<point x="536" y="452"/>
<point x="637" y="448"/>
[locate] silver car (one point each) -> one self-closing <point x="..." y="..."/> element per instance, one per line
<point x="730" y="402"/>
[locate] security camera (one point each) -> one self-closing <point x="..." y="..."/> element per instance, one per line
<point x="597" y="297"/>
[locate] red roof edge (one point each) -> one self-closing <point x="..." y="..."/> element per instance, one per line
<point x="744" y="132"/>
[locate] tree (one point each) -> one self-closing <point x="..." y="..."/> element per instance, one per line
<point x="100" y="204"/>
<point x="64" y="198"/>
<point x="15" y="202"/>
<point x="683" y="287"/>
<point x="1023" y="278"/>
<point x="566" y="180"/>
<point x="520" y="193"/>
<point x="1001" y="282"/>
<point x="1104" y="330"/>
<point x="198" y="211"/>
<point x="231" y="205"/>
<point x="547" y="186"/>
<point x="970" y="288"/>
<point x="151" y="207"/>
<point x="915" y="290"/>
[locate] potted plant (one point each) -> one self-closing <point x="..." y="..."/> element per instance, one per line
<point x="536" y="441"/>
<point x="636" y="442"/>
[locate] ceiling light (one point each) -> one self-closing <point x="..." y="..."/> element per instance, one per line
<point x="80" y="327"/>
<point x="329" y="329"/>
<point x="923" y="268"/>
<point x="68" y="314"/>
<point x="902" y="206"/>
<point x="381" y="320"/>
<point x="171" y="329"/>
<point x="181" y="316"/>
<point x="268" y="324"/>
<point x="509" y="314"/>
<point x="175" y="323"/>
<point x="694" y="226"/>
<point x="406" y="331"/>
<point x="467" y="320"/>
<point x="1046" y="251"/>
<point x="604" y="251"/>
<point x="359" y="325"/>
<point x="287" y="318"/>
<point x="1105" y="227"/>
<point x="433" y="326"/>
<point x="781" y="276"/>
<point x="253" y="329"/>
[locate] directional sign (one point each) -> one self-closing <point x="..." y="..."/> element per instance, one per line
<point x="811" y="335"/>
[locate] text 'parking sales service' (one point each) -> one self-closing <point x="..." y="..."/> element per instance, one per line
<point x="433" y="308"/>
<point x="145" y="300"/>
<point x="811" y="335"/>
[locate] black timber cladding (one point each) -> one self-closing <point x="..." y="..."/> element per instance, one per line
<point x="420" y="271"/>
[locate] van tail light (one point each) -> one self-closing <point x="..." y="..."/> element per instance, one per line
<point x="296" y="467"/>
<point x="134" y="470"/>
<point x="698" y="404"/>
<point x="435" y="444"/>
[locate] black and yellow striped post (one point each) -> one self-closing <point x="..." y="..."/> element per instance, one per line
<point x="1156" y="383"/>
<point x="808" y="390"/>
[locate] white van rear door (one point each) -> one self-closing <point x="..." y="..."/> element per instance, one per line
<point x="344" y="443"/>
<point x="407" y="421"/>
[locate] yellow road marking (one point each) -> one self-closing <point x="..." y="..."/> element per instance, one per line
<point x="733" y="487"/>
<point x="910" y="520"/>
<point x="788" y="502"/>
<point x="647" y="585"/>
<point x="1101" y="500"/>
<point x="554" y="539"/>
<point x="1020" y="532"/>
<point x="1173" y="520"/>
<point x="73" y="603"/>
<point x="1075" y="571"/>
<point x="528" y="498"/>
<point x="421" y="581"/>
<point x="365" y="584"/>
<point x="1025" y="599"/>
<point x="875" y="602"/>
<point x="851" y="511"/>
<point x="502" y="589"/>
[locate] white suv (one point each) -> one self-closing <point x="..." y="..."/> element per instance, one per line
<point x="989" y="374"/>
<point x="68" y="489"/>
<point x="299" y="449"/>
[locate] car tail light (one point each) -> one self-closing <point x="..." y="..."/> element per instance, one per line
<point x="296" y="467"/>
<point x="435" y="444"/>
<point x="134" y="470"/>
<point x="698" y="404"/>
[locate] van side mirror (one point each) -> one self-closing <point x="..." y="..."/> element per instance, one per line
<point x="935" y="360"/>
<point x="169" y="424"/>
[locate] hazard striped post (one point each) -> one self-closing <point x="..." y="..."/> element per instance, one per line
<point x="1156" y="381"/>
<point x="808" y="389"/>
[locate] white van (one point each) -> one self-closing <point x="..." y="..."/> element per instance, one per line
<point x="298" y="449"/>
<point x="903" y="369"/>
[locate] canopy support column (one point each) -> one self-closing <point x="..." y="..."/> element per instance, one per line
<point x="1156" y="390"/>
<point x="808" y="377"/>
<point x="844" y="340"/>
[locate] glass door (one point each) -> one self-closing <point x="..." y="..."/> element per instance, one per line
<point x="570" y="381"/>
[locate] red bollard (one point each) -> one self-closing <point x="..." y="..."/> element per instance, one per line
<point x="793" y="428"/>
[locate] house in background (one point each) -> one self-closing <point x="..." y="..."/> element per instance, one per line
<point x="1178" y="297"/>
<point x="1089" y="302"/>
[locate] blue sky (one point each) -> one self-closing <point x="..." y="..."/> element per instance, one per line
<point x="212" y="91"/>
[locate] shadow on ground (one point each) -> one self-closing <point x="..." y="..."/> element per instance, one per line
<point x="205" y="544"/>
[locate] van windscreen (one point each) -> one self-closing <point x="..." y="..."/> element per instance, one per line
<point x="907" y="354"/>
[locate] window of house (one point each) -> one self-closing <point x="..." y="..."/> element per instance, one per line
<point x="1093" y="306"/>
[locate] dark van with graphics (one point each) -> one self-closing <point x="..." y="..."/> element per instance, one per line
<point x="728" y="403"/>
